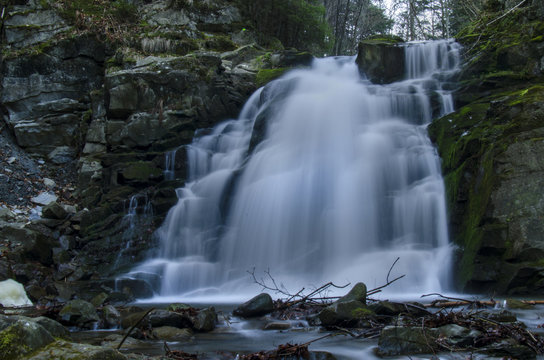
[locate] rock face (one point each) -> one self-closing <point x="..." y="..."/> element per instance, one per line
<point x="381" y="60"/>
<point x="76" y="96"/>
<point x="492" y="151"/>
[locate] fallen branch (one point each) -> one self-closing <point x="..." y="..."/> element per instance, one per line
<point x="133" y="327"/>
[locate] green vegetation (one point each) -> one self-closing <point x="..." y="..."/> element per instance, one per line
<point x="296" y="23"/>
<point x="264" y="76"/>
<point x="112" y="20"/>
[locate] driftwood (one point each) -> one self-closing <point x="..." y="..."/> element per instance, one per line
<point x="283" y="351"/>
<point x="178" y="354"/>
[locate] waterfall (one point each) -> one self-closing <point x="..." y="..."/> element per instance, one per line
<point x="324" y="177"/>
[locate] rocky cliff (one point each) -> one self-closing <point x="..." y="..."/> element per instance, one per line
<point x="94" y="94"/>
<point x="492" y="150"/>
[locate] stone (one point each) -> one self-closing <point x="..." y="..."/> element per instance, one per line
<point x="397" y="341"/>
<point x="50" y="184"/>
<point x="99" y="299"/>
<point x="344" y="312"/>
<point x="65" y="350"/>
<point x="44" y="198"/>
<point x="112" y="317"/>
<point x="382" y="61"/>
<point x="22" y="338"/>
<point x="13" y="293"/>
<point x="53" y="327"/>
<point x="54" y="210"/>
<point x="6" y="214"/>
<point x="205" y="320"/>
<point x="158" y="318"/>
<point x="277" y="325"/>
<point x="80" y="313"/>
<point x="261" y="304"/>
<point x="357" y="293"/>
<point x="171" y="333"/>
<point x="458" y="335"/>
<point x="62" y="155"/>
<point x="509" y="349"/>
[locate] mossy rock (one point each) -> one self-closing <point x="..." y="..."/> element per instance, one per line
<point x="65" y="350"/>
<point x="22" y="338"/>
<point x="264" y="76"/>
<point x="140" y="171"/>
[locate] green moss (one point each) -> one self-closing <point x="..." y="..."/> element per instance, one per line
<point x="141" y="171"/>
<point x="362" y="313"/>
<point x="11" y="346"/>
<point x="219" y="43"/>
<point x="264" y="76"/>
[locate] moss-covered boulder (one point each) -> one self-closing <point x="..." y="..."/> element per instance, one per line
<point x="72" y="351"/>
<point x="381" y="59"/>
<point x="398" y="340"/>
<point x="80" y="313"/>
<point x="22" y="338"/>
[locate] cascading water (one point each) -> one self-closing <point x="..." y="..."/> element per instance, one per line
<point x="324" y="177"/>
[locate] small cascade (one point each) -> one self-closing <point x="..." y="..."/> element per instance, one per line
<point x="170" y="164"/>
<point x="324" y="177"/>
<point x="138" y="216"/>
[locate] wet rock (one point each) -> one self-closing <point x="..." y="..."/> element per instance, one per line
<point x="388" y="308"/>
<point x="171" y="333"/>
<point x="458" y="335"/>
<point x="6" y="214"/>
<point x="261" y="304"/>
<point x="205" y="320"/>
<point x="509" y="349"/>
<point x="21" y="338"/>
<point x="62" y="155"/>
<point x="99" y="299"/>
<point x="158" y="318"/>
<point x="277" y="325"/>
<point x="345" y="313"/>
<point x="357" y="293"/>
<point x="381" y="60"/>
<point x="61" y="349"/>
<point x="112" y="317"/>
<point x="54" y="211"/>
<point x="80" y="313"/>
<point x="395" y="341"/>
<point x="53" y="327"/>
<point x="177" y="307"/>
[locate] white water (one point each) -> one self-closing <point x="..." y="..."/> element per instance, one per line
<point x="344" y="182"/>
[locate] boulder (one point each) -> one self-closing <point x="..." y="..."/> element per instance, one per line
<point x="458" y="336"/>
<point x="158" y="318"/>
<point x="54" y="211"/>
<point x="22" y="338"/>
<point x="357" y="293"/>
<point x="65" y="350"/>
<point x="112" y="317"/>
<point x="205" y="320"/>
<point x="397" y="341"/>
<point x="171" y="333"/>
<point x="261" y="304"/>
<point x="381" y="60"/>
<point x="343" y="312"/>
<point x="80" y="313"/>
<point x="53" y="327"/>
